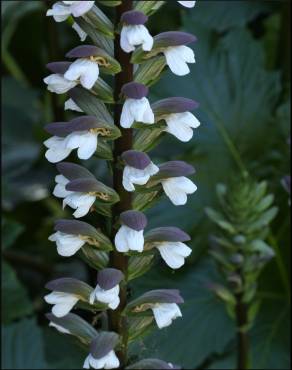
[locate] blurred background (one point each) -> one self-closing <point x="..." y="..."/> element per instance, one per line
<point x="242" y="82"/>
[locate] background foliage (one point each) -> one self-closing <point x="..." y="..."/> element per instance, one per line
<point x="241" y="80"/>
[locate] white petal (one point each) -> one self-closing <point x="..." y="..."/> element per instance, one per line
<point x="128" y="239"/>
<point x="125" y="45"/>
<point x="67" y="245"/>
<point x="59" y="11"/>
<point x="85" y="70"/>
<point x="86" y="364"/>
<point x="177" y="188"/>
<point x="165" y="313"/>
<point x="58" y="84"/>
<point x="187" y="4"/>
<point x="82" y="35"/>
<point x="187" y="54"/>
<point x="132" y="176"/>
<point x="57" y="150"/>
<point x="127" y="118"/>
<point x="174" y="253"/>
<point x="139" y="35"/>
<point x="59" y="190"/>
<point x="178" y="128"/>
<point x="109" y="361"/>
<point x="177" y="58"/>
<point x="59" y="328"/>
<point x="141" y="110"/>
<point x="110" y="297"/>
<point x="56" y="155"/>
<point x="190" y="119"/>
<point x="148" y="116"/>
<point x="112" y="362"/>
<point x="63" y="302"/>
<point x="79" y="8"/>
<point x="61" y="179"/>
<point x="88" y="146"/>
<point x="81" y="202"/>
<point x="71" y="105"/>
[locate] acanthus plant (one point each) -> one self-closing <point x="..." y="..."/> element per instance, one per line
<point x="118" y="125"/>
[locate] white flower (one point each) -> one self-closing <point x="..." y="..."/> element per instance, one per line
<point x="177" y="188"/>
<point x="173" y="253"/>
<point x="110" y="361"/>
<point x="84" y="141"/>
<point x="138" y="110"/>
<point x="63" y="302"/>
<point x="59" y="148"/>
<point x="60" y="189"/>
<point x="84" y="70"/>
<point x="134" y="35"/>
<point x="71" y="105"/>
<point x="82" y="202"/>
<point x="181" y="124"/>
<point x="67" y="245"/>
<point x="59" y="328"/>
<point x="187" y="4"/>
<point x="58" y="84"/>
<point x="177" y="58"/>
<point x="128" y="239"/>
<point x="110" y="297"/>
<point x="133" y="176"/>
<point x="62" y="10"/>
<point x="82" y="34"/>
<point x="165" y="313"/>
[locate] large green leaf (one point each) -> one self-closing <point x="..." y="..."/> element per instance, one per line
<point x="14" y="297"/>
<point x="10" y="231"/>
<point x="222" y="15"/>
<point x="22" y="346"/>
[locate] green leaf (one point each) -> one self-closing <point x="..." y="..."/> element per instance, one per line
<point x="97" y="19"/>
<point x="219" y="219"/>
<point x="149" y="72"/>
<point x="98" y="38"/>
<point x="77" y="326"/>
<point x="147" y="139"/>
<point x="224" y="15"/>
<point x="16" y="303"/>
<point x="148" y="7"/>
<point x="95" y="258"/>
<point x="143" y="201"/>
<point x="104" y="150"/>
<point x="103" y="91"/>
<point x="10" y="232"/>
<point x="23" y="346"/>
<point x="139" y="265"/>
<point x="139" y="327"/>
<point x="110" y="2"/>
